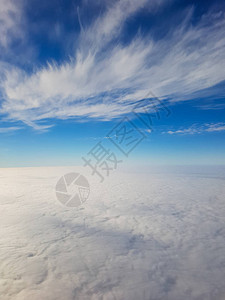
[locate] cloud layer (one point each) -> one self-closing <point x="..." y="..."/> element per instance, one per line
<point x="106" y="76"/>
<point x="139" y="236"/>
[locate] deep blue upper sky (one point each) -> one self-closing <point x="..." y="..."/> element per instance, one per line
<point x="72" y="70"/>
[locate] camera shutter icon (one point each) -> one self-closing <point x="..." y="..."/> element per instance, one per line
<point x="72" y="189"/>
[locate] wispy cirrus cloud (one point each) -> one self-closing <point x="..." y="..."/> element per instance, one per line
<point x="198" y="129"/>
<point x="9" y="129"/>
<point x="10" y="15"/>
<point x="216" y="127"/>
<point x="187" y="59"/>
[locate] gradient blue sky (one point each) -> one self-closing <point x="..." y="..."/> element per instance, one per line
<point x="71" y="70"/>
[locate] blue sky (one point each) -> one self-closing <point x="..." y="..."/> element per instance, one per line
<point x="70" y="71"/>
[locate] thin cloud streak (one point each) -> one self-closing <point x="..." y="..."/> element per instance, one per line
<point x="195" y="129"/>
<point x="9" y="129"/>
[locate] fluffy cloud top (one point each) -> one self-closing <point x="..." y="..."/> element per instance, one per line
<point x="130" y="240"/>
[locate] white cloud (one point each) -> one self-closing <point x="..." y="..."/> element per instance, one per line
<point x="212" y="106"/>
<point x="189" y="59"/>
<point x="140" y="235"/>
<point x="10" y="14"/>
<point x="194" y="129"/>
<point x="9" y="129"/>
<point x="216" y="127"/>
